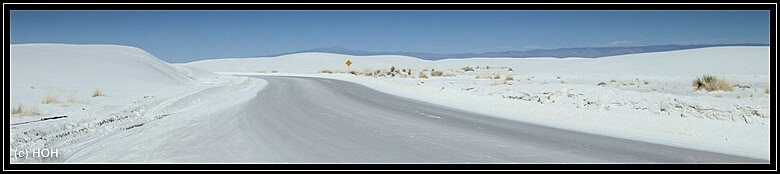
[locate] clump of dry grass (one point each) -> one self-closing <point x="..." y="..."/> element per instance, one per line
<point x="435" y="73"/>
<point x="326" y="71"/>
<point x="766" y="91"/>
<point x="71" y="99"/>
<point x="423" y="76"/>
<point x="467" y="68"/>
<point x="602" y="84"/>
<point x="96" y="92"/>
<point x="710" y="83"/>
<point x="22" y="110"/>
<point x="496" y="76"/>
<point x="509" y="78"/>
<point x="50" y="98"/>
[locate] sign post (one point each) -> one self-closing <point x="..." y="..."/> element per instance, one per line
<point x="349" y="63"/>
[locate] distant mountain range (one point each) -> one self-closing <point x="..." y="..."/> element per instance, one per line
<point x="584" y="52"/>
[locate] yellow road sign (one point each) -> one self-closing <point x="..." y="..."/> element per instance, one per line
<point x="349" y="63"/>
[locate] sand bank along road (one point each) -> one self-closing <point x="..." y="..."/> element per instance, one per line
<point x="314" y="120"/>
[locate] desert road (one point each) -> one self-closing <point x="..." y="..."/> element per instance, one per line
<point x="314" y="120"/>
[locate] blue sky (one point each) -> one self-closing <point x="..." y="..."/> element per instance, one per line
<point x="184" y="36"/>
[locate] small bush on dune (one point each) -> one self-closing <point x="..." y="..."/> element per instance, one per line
<point x="497" y="76"/>
<point x="97" y="92"/>
<point x="368" y="72"/>
<point x="50" y="98"/>
<point x="711" y="83"/>
<point x="24" y="110"/>
<point x="71" y="99"/>
<point x="326" y="72"/>
<point x="509" y="78"/>
<point x="602" y="84"/>
<point x="423" y="76"/>
<point x="436" y="73"/>
<point x="766" y="91"/>
<point x="468" y="68"/>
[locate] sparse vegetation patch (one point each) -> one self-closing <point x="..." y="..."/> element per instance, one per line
<point x="50" y="98"/>
<point x="97" y="92"/>
<point x="711" y="83"/>
<point x="22" y="110"/>
<point x="423" y="76"/>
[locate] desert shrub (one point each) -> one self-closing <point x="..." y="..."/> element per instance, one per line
<point x="467" y="68"/>
<point x="326" y="72"/>
<point x="22" y="110"/>
<point x="766" y="91"/>
<point x="602" y="84"/>
<point x="646" y="82"/>
<point x="50" y="98"/>
<point x="509" y="78"/>
<point x="97" y="92"/>
<point x="423" y="76"/>
<point x="497" y="76"/>
<point x="436" y="73"/>
<point x="71" y="99"/>
<point x="711" y="83"/>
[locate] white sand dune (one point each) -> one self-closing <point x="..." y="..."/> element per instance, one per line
<point x="714" y="60"/>
<point x="137" y="88"/>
